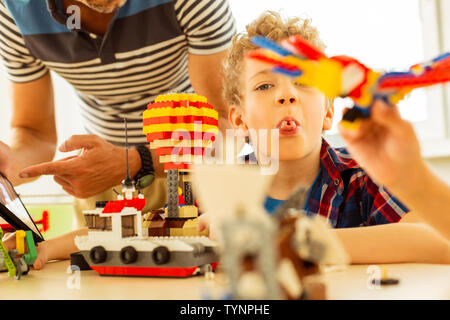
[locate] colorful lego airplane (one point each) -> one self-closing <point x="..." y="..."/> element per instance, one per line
<point x="342" y="76"/>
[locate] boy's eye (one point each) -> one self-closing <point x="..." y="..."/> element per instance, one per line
<point x="264" y="86"/>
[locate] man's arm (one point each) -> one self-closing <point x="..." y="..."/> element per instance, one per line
<point x="33" y="132"/>
<point x="395" y="243"/>
<point x="206" y="75"/>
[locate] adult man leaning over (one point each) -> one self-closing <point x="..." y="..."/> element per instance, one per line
<point x="121" y="55"/>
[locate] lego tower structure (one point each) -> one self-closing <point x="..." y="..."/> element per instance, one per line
<point x="180" y="127"/>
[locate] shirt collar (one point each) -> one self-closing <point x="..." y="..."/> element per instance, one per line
<point x="335" y="161"/>
<point x="55" y="9"/>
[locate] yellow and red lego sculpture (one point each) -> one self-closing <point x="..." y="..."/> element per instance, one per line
<point x="179" y="127"/>
<point x="342" y="76"/>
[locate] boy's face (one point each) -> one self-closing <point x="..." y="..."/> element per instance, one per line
<point x="273" y="101"/>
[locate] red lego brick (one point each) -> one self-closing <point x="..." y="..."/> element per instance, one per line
<point x="180" y="166"/>
<point x="146" y="271"/>
<point x="181" y="119"/>
<point x="150" y="271"/>
<point x="118" y="205"/>
<point x="207" y="136"/>
<point x="428" y="78"/>
<point x="263" y="58"/>
<point x="303" y="47"/>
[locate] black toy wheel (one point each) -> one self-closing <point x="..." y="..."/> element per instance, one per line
<point x="161" y="255"/>
<point x="98" y="254"/>
<point x="128" y="255"/>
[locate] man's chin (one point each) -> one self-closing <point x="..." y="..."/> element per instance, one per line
<point x="101" y="7"/>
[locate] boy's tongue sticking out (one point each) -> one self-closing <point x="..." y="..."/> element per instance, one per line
<point x="288" y="126"/>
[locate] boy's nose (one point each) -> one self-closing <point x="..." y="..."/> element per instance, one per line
<point x="284" y="101"/>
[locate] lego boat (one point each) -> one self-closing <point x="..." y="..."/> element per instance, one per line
<point x="117" y="244"/>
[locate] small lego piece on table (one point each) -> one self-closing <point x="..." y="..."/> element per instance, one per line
<point x="385" y="280"/>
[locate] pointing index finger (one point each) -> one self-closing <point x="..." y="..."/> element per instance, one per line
<point x="60" y="167"/>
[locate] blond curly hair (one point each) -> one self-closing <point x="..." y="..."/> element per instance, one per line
<point x="271" y="25"/>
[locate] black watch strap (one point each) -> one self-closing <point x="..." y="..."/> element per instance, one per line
<point x="146" y="174"/>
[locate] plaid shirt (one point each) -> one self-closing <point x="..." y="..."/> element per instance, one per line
<point x="347" y="196"/>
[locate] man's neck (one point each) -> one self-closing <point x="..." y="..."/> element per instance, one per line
<point x="292" y="173"/>
<point x="92" y="20"/>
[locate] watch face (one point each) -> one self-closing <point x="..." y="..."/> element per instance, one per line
<point x="13" y="211"/>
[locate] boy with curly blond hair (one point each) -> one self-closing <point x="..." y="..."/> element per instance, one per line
<point x="340" y="190"/>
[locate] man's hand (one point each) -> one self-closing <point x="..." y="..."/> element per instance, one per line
<point x="99" y="166"/>
<point x="386" y="146"/>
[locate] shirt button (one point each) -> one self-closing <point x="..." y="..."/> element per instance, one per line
<point x="336" y="182"/>
<point x="93" y="35"/>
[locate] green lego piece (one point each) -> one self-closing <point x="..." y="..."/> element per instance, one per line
<point x="7" y="259"/>
<point x="31" y="256"/>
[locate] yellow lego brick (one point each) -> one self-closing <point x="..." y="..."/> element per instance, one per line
<point x="324" y="74"/>
<point x="20" y="241"/>
<point x="175" y="232"/>
<point x="190" y="232"/>
<point x="180" y="111"/>
<point x="366" y="92"/>
<point x="196" y="143"/>
<point x="351" y="125"/>
<point x="397" y="97"/>
<point x="181" y="97"/>
<point x="188" y="212"/>
<point x="186" y="158"/>
<point x="146" y="224"/>
<point x="185" y="212"/>
<point x="191" y="223"/>
<point x="182" y="170"/>
<point x="170" y="127"/>
<point x="186" y="178"/>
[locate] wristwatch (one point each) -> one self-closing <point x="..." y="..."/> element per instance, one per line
<point x="146" y="175"/>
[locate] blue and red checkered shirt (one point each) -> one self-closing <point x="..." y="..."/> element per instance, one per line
<point x="346" y="195"/>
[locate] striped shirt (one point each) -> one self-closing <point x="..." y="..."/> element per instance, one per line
<point x="344" y="194"/>
<point x="144" y="53"/>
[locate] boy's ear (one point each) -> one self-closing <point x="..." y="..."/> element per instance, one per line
<point x="236" y="118"/>
<point x="329" y="113"/>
